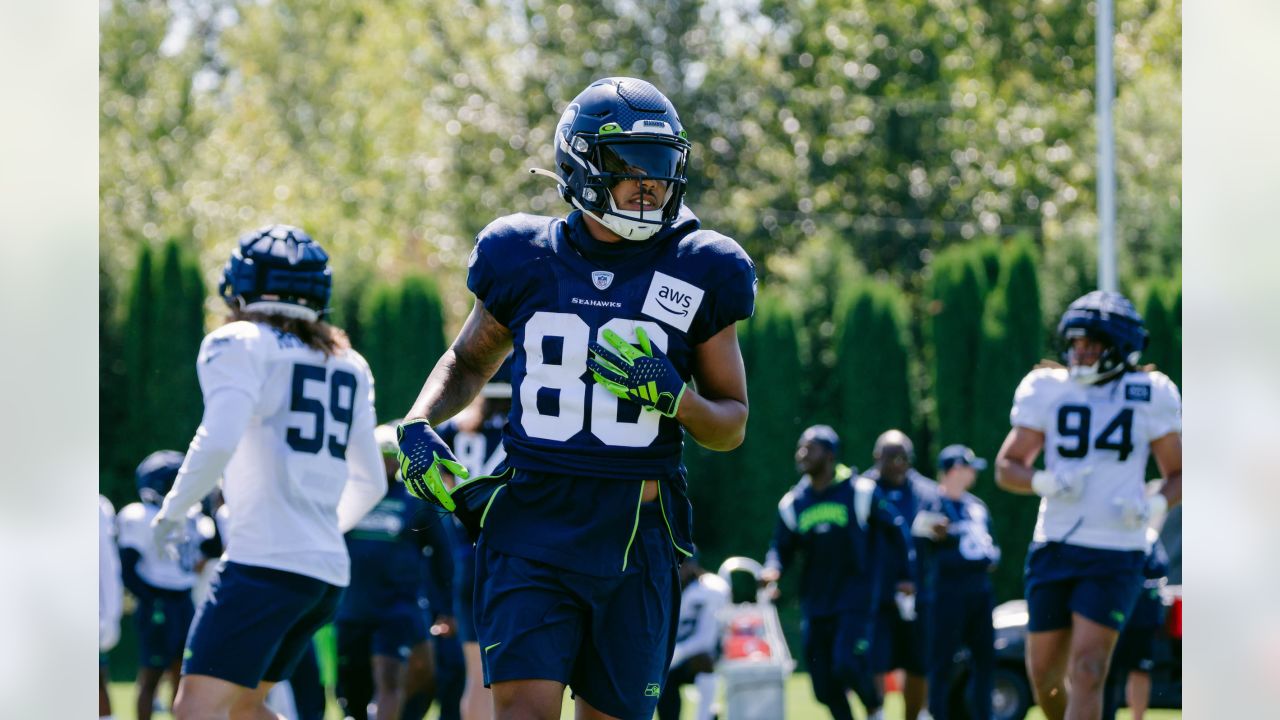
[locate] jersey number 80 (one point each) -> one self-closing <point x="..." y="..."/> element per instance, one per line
<point x="567" y="378"/>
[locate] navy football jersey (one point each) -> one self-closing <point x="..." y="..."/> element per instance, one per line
<point x="557" y="289"/>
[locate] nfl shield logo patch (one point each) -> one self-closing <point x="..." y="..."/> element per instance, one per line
<point x="602" y="279"/>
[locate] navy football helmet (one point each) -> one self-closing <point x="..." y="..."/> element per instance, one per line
<point x="278" y="269"/>
<point x="1111" y="319"/>
<point x="618" y="129"/>
<point x="155" y="475"/>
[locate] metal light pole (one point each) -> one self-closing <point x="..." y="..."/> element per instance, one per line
<point x="1104" y="92"/>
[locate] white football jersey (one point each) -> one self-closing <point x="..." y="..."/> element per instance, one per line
<point x="1107" y="428"/>
<point x="160" y="569"/>
<point x="110" y="588"/>
<point x="699" y="631"/>
<point x="312" y="413"/>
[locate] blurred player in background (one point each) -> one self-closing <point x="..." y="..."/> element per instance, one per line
<point x="443" y="653"/>
<point x="1097" y="420"/>
<point x="612" y="314"/>
<point x="288" y="426"/>
<point x="160" y="578"/>
<point x="475" y="436"/>
<point x="110" y="597"/>
<point x="845" y="529"/>
<point x="959" y="555"/>
<point x="703" y="596"/>
<point x="1134" y="658"/>
<point x="901" y="639"/>
<point x="378" y="623"/>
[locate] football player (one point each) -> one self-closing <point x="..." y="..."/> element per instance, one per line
<point x="110" y="597"/>
<point x="846" y="530"/>
<point x="622" y="322"/>
<point x="1134" y="658"/>
<point x="703" y="596"/>
<point x="475" y="436"/>
<point x="1097" y="420"/>
<point x="901" y="638"/>
<point x="378" y="623"/>
<point x="288" y="426"/>
<point x="160" y="579"/>
<point x="957" y="583"/>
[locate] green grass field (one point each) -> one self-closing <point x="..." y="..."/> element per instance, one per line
<point x="800" y="705"/>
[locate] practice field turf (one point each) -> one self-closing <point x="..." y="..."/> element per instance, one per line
<point x="800" y="705"/>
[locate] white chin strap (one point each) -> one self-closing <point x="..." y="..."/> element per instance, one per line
<point x="1089" y="374"/>
<point x="627" y="228"/>
<point x="274" y="307"/>
<point x="627" y="223"/>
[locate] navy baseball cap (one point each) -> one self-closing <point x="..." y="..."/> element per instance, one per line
<point x="953" y="455"/>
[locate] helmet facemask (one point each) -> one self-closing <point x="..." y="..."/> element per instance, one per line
<point x="1108" y="365"/>
<point x="655" y="162"/>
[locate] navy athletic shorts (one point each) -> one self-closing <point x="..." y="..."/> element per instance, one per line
<point x="464" y="580"/>
<point x="163" y="621"/>
<point x="392" y="634"/>
<point x="256" y="623"/>
<point x="898" y="643"/>
<point x="1061" y="579"/>
<point x="609" y="639"/>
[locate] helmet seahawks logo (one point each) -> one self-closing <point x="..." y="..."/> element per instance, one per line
<point x="602" y="279"/>
<point x="566" y="120"/>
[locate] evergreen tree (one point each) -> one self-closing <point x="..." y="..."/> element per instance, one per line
<point x="1012" y="342"/>
<point x="1163" y="346"/>
<point x="422" y="315"/>
<point x="172" y="399"/>
<point x="1175" y="314"/>
<point x="872" y="390"/>
<point x="137" y="342"/>
<point x="956" y="294"/>
<point x="379" y="330"/>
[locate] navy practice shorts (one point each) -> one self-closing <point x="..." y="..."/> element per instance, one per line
<point x="393" y="634"/>
<point x="163" y="622"/>
<point x="608" y="638"/>
<point x="1061" y="579"/>
<point x="898" y="643"/>
<point x="464" y="598"/>
<point x="1135" y="650"/>
<point x="256" y="623"/>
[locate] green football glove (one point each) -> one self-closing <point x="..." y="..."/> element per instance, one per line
<point x="642" y="375"/>
<point x="422" y="453"/>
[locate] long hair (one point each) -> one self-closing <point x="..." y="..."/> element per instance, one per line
<point x="317" y="334"/>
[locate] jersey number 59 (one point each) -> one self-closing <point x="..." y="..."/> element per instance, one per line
<point x="340" y="391"/>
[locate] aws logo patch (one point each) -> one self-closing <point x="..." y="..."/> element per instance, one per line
<point x="671" y="300"/>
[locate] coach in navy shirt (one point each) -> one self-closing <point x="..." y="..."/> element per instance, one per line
<point x="959" y="556"/>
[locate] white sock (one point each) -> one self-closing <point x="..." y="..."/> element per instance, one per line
<point x="706" y="684"/>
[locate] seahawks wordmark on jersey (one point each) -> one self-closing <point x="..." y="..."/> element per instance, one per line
<point x="683" y="286"/>
<point x="1107" y="428"/>
<point x="312" y="418"/>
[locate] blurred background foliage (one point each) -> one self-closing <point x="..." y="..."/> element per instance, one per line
<point x="913" y="178"/>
